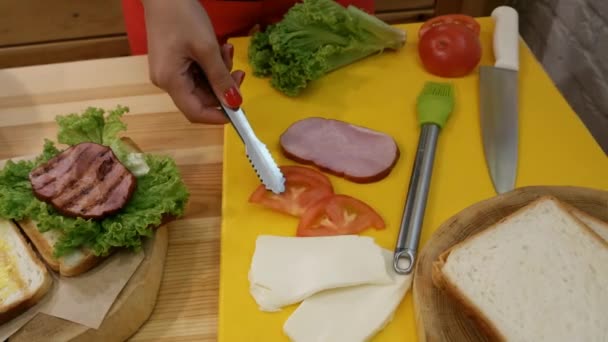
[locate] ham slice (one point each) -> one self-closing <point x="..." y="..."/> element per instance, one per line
<point x="86" y="180"/>
<point x="356" y="153"/>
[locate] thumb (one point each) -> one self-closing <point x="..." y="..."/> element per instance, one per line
<point x="218" y="76"/>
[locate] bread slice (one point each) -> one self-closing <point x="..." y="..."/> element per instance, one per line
<point x="75" y="263"/>
<point x="598" y="226"/>
<point x="539" y="274"/>
<point x="24" y="279"/>
<point x="78" y="261"/>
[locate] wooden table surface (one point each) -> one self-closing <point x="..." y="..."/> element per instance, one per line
<point x="31" y="97"/>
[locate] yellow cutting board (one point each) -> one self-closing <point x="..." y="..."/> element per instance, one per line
<point x="380" y="93"/>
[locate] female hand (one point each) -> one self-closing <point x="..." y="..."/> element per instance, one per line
<point x="181" y="42"/>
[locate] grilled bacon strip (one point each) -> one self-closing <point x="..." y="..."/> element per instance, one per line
<point x="85" y="180"/>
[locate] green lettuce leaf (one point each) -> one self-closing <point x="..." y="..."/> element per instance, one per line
<point x="160" y="192"/>
<point x="49" y="150"/>
<point x="94" y="126"/>
<point x="78" y="128"/>
<point x="15" y="189"/>
<point x="113" y="126"/>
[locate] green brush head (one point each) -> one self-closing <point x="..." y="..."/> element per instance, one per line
<point x="435" y="103"/>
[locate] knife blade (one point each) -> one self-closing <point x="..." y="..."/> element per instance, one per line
<point x="258" y="154"/>
<point x="498" y="94"/>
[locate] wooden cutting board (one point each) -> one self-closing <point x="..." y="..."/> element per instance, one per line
<point x="380" y="93"/>
<point x="438" y="317"/>
<point x="130" y="310"/>
<point x="134" y="303"/>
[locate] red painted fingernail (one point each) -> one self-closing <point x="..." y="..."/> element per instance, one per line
<point x="233" y="97"/>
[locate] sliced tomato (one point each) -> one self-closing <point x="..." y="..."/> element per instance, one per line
<point x="461" y="19"/>
<point x="289" y="170"/>
<point x="303" y="188"/>
<point x="338" y="215"/>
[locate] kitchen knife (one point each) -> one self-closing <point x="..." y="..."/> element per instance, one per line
<point x="259" y="157"/>
<point x="498" y="101"/>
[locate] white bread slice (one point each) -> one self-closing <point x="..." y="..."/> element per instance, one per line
<point x="598" y="226"/>
<point x="75" y="263"/>
<point x="24" y="279"/>
<point x="539" y="274"/>
<point x="78" y="261"/>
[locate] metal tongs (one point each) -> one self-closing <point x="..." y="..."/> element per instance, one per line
<point x="258" y="154"/>
<point x="435" y="103"/>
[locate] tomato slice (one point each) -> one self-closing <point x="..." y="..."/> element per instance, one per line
<point x="305" y="171"/>
<point x="460" y="19"/>
<point x="338" y="215"/>
<point x="303" y="188"/>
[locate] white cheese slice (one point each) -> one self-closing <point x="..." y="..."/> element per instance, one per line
<point x="350" y="314"/>
<point x="286" y="270"/>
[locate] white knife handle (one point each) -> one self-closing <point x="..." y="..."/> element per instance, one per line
<point x="506" y="38"/>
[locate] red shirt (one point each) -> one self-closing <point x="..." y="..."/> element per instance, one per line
<point x="230" y="18"/>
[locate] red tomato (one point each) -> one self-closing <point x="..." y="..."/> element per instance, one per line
<point x="338" y="215"/>
<point x="306" y="171"/>
<point x="303" y="188"/>
<point x="461" y="19"/>
<point x="449" y="50"/>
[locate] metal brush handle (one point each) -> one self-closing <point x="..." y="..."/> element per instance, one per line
<point x="417" y="193"/>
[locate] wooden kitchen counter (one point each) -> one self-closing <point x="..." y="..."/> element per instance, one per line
<point x="31" y="97"/>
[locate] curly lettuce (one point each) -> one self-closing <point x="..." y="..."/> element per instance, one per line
<point x="160" y="191"/>
<point x="94" y="126"/>
<point x="314" y="38"/>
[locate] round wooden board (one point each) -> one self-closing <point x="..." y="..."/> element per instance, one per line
<point x="130" y="310"/>
<point x="438" y="318"/>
